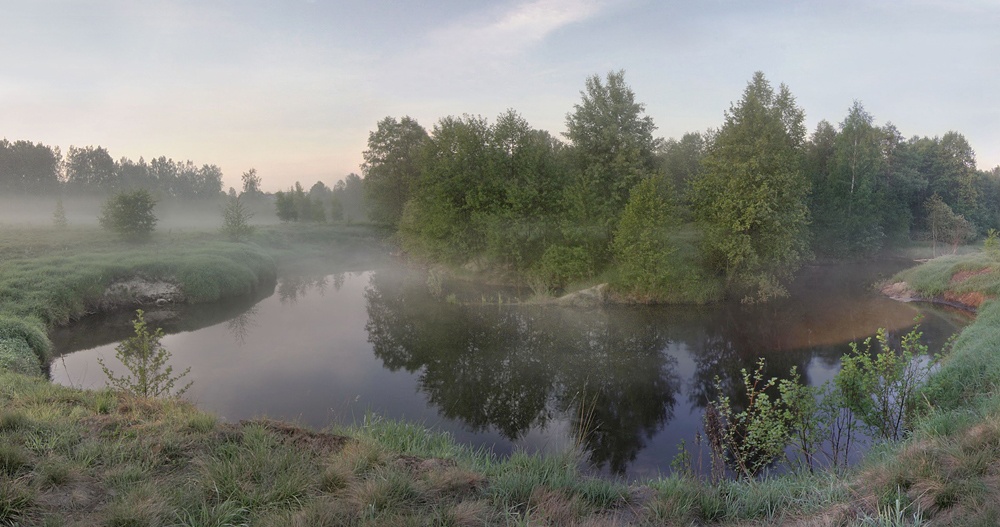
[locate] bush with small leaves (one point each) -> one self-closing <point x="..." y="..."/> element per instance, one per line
<point x="129" y="214"/>
<point x="146" y="360"/>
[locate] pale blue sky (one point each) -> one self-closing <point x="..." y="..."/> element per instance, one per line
<point x="293" y="88"/>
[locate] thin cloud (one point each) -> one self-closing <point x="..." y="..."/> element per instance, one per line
<point x="513" y="31"/>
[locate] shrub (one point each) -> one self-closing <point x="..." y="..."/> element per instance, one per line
<point x="992" y="244"/>
<point x="561" y="265"/>
<point x="59" y="216"/>
<point x="146" y="360"/>
<point x="640" y="245"/>
<point x="880" y="388"/>
<point x="752" y="438"/>
<point x="129" y="214"/>
<point x="236" y="220"/>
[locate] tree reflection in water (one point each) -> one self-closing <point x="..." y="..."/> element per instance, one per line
<point x="514" y="368"/>
<point x="614" y="375"/>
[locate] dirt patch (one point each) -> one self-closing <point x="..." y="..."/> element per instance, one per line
<point x="318" y="442"/>
<point x="79" y="498"/>
<point x="900" y="291"/>
<point x="962" y="276"/>
<point x="137" y="291"/>
<point x="591" y="297"/>
<point x="970" y="300"/>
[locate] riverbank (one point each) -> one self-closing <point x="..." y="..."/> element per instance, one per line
<point x="73" y="457"/>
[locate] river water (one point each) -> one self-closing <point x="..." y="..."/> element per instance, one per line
<point x="328" y="349"/>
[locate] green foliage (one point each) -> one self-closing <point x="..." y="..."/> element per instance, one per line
<point x="236" y="220"/>
<point x="284" y="204"/>
<point x="146" y="360"/>
<point x="392" y="167"/>
<point x="879" y="388"/>
<point x="129" y="214"/>
<point x="753" y="437"/>
<point x="945" y="225"/>
<point x="750" y="198"/>
<point x="849" y="199"/>
<point x="991" y="245"/>
<point x="562" y="265"/>
<point x="640" y="246"/>
<point x="613" y="144"/>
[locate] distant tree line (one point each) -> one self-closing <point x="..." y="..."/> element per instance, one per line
<point x="344" y="202"/>
<point x="35" y="168"/>
<point x="761" y="196"/>
<point x="28" y="168"/>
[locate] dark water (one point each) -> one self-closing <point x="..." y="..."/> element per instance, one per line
<point x="329" y="348"/>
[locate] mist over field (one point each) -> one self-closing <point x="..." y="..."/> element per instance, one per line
<point x="83" y="211"/>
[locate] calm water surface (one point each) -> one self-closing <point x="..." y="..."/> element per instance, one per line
<point x="326" y="349"/>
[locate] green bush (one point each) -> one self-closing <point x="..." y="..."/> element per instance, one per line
<point x="129" y="214"/>
<point x="236" y="220"/>
<point x="641" y="248"/>
<point x="561" y="265"/>
<point x="146" y="360"/>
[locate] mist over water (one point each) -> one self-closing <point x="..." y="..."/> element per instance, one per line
<point x="325" y="349"/>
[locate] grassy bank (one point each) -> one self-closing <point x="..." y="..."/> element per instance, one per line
<point x="949" y="468"/>
<point x="52" y="276"/>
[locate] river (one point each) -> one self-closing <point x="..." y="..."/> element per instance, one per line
<point x="329" y="348"/>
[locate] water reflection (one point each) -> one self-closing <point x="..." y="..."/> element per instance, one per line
<point x="513" y="368"/>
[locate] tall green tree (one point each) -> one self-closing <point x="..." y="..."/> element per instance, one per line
<point x="640" y="246"/>
<point x="29" y="168"/>
<point x="91" y="169"/>
<point x="680" y="160"/>
<point x="456" y="183"/>
<point x="848" y="198"/>
<point x="613" y="147"/>
<point x="391" y="168"/>
<point x="751" y="197"/>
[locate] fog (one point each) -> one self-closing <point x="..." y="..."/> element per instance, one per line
<point x="83" y="211"/>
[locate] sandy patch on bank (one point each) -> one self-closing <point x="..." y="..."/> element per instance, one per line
<point x="137" y="291"/>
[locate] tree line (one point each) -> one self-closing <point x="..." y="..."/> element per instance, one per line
<point x="755" y="198"/>
<point x="35" y="168"/>
<point x="28" y="168"/>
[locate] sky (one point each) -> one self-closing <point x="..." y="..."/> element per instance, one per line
<point x="293" y="88"/>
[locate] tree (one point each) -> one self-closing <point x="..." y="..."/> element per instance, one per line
<point x="129" y="214"/>
<point x="29" y="168"/>
<point x="146" y="360"/>
<point x="91" y="169"/>
<point x="251" y="183"/>
<point x="59" y="216"/>
<point x="284" y="204"/>
<point x="350" y="192"/>
<point x="613" y="144"/>
<point x="391" y="168"/>
<point x="456" y="184"/>
<point x="848" y="197"/>
<point x="945" y="225"/>
<point x="680" y="160"/>
<point x="750" y="200"/>
<point x="236" y="219"/>
<point x="640" y="245"/>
